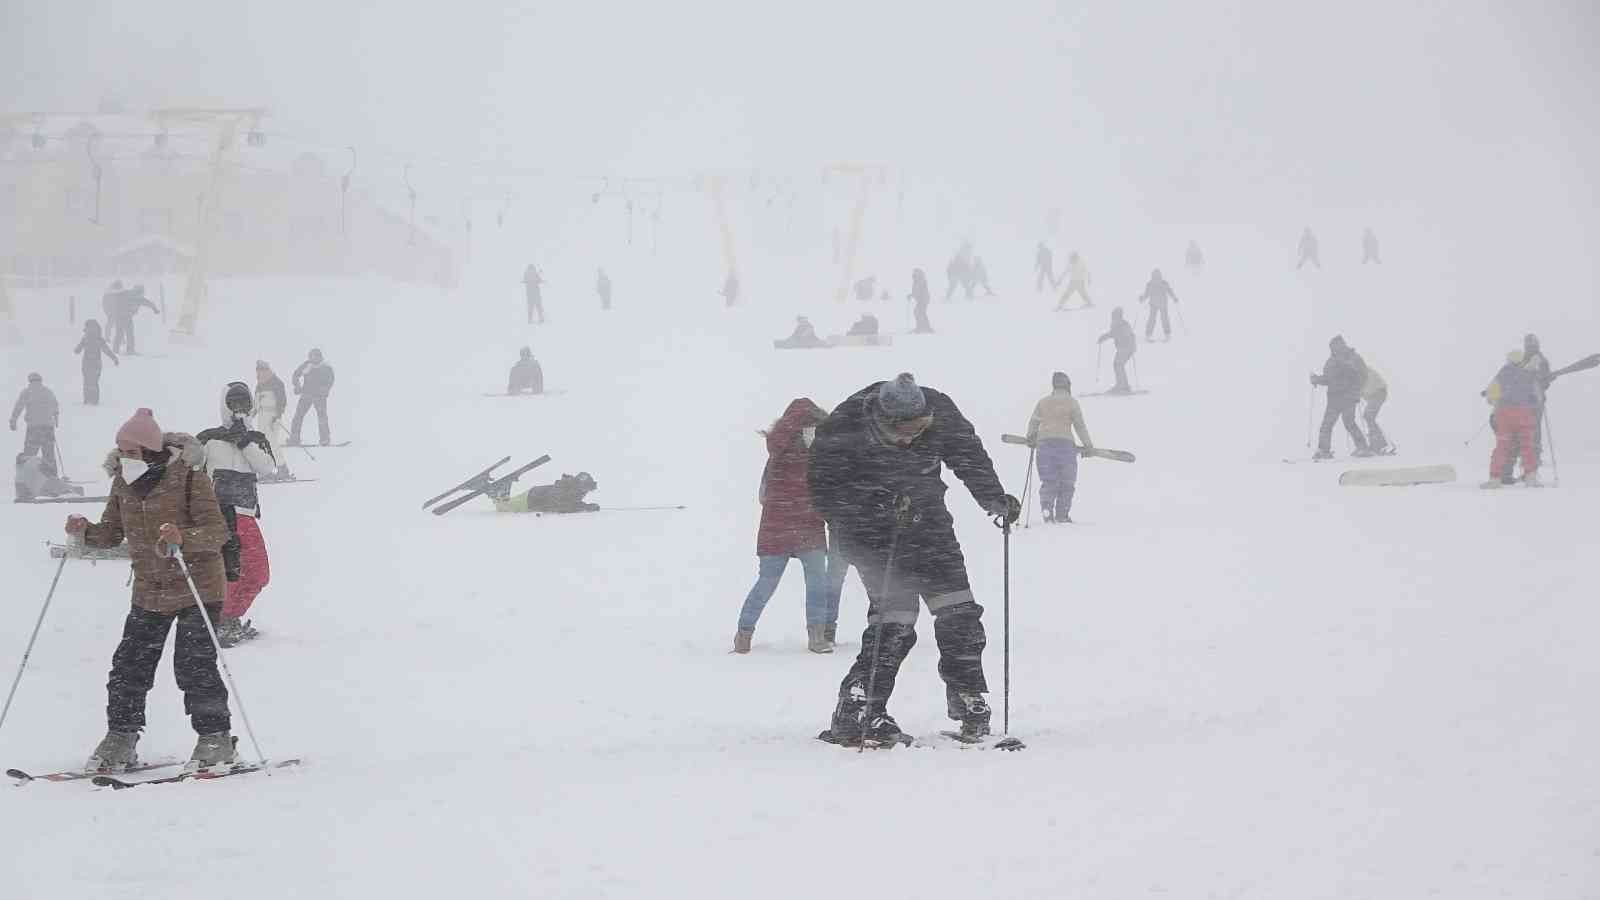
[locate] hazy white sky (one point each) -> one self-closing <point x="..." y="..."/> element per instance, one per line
<point x="1247" y="104"/>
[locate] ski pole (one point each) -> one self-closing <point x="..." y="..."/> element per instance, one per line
<point x="1007" y="742"/>
<point x="1311" y="413"/>
<point x="1134" y="361"/>
<point x="1550" y="438"/>
<point x="1182" y="325"/>
<point x="61" y="464"/>
<point x="902" y="512"/>
<point x="301" y="446"/>
<point x="636" y="508"/>
<point x="6" y="710"/>
<point x="1099" y="353"/>
<point x="1027" y="485"/>
<point x="233" y="688"/>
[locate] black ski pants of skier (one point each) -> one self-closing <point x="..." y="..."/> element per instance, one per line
<point x="91" y="385"/>
<point x="42" y="438"/>
<point x="122" y="335"/>
<point x="1340" y="410"/>
<point x="1074" y="287"/>
<point x="194" y="662"/>
<point x="303" y="406"/>
<point x="928" y="569"/>
<point x="920" y="310"/>
<point x="535" y="305"/>
<point x="1375" y="436"/>
<point x="1150" y="324"/>
<point x="1119" y="363"/>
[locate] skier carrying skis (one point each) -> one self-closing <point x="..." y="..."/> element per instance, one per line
<point x="1308" y="250"/>
<point x="1044" y="268"/>
<point x="1515" y="394"/>
<point x="1055" y="418"/>
<point x="41" y="414"/>
<point x="313" y="381"/>
<point x="790" y="528"/>
<point x="236" y="454"/>
<point x="1535" y="360"/>
<point x="1077" y="282"/>
<point x="1122" y="337"/>
<point x="31" y="481"/>
<point x="532" y="280"/>
<point x="1369" y="248"/>
<point x="874" y="475"/>
<point x="92" y="346"/>
<point x="920" y="297"/>
<point x="527" y="376"/>
<point x="1159" y="293"/>
<point x="162" y="507"/>
<point x="1345" y="376"/>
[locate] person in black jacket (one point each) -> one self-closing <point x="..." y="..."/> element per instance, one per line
<point x="527" y="376"/>
<point x="874" y="476"/>
<point x="1159" y="293"/>
<point x="1121" y="337"/>
<point x="313" y="381"/>
<point x="92" y="347"/>
<point x="920" y="297"/>
<point x="1344" y="375"/>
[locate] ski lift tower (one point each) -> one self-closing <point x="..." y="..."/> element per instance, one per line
<point x="228" y="122"/>
<point x="865" y="174"/>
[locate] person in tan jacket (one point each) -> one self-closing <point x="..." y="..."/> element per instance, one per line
<point x="1050" y="430"/>
<point x="159" y="504"/>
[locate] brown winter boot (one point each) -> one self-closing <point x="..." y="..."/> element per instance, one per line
<point x="817" y="639"/>
<point x="741" y="640"/>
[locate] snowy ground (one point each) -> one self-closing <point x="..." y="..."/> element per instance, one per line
<point x="1235" y="678"/>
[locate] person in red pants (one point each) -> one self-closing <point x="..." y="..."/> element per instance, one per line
<point x="236" y="455"/>
<point x="1516" y="394"/>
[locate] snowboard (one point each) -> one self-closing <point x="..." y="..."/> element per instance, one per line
<point x="528" y="394"/>
<point x="860" y="340"/>
<point x="1136" y="393"/>
<point x="1439" y="474"/>
<point x="1091" y="452"/>
<point x="65" y="500"/>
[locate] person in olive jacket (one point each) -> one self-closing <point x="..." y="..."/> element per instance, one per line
<point x="159" y="504"/>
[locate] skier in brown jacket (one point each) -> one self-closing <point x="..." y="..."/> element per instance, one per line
<point x="160" y="504"/>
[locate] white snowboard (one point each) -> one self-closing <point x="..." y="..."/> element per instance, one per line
<point x="1403" y="476"/>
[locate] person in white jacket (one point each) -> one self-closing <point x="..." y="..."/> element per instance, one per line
<point x="272" y="404"/>
<point x="236" y="455"/>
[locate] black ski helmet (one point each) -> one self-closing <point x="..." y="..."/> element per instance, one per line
<point x="238" y="398"/>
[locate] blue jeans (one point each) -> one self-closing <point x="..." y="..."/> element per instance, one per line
<point x="1058" y="476"/>
<point x="815" y="565"/>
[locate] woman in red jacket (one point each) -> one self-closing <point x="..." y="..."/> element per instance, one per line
<point x="789" y="528"/>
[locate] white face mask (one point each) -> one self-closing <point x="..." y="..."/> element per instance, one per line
<point x="807" y="435"/>
<point x="133" y="469"/>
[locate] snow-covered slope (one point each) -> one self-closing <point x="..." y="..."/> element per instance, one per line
<point x="1236" y="679"/>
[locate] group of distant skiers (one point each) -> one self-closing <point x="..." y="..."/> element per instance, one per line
<point x="1309" y="252"/>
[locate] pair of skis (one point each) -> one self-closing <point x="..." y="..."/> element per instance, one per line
<point x="119" y="780"/>
<point x="1091" y="452"/>
<point x="485" y="482"/>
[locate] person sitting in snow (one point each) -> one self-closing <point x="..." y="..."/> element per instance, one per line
<point x="804" y="336"/>
<point x="33" y="482"/>
<point x="527" y="377"/>
<point x="866" y="326"/>
<point x="565" y="496"/>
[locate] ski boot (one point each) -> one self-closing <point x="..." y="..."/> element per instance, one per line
<point x="845" y="727"/>
<point x="881" y="730"/>
<point x="972" y="711"/>
<point x="1531" y="479"/>
<point x="116" y="751"/>
<point x="215" y="749"/>
<point x="1362" y="453"/>
<point x="1321" y="455"/>
<point x="229" y="632"/>
<point x="817" y="639"/>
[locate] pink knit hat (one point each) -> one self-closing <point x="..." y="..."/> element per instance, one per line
<point x="140" y="431"/>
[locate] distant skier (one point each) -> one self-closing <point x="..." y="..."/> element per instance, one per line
<point x="1126" y="343"/>
<point x="1193" y="258"/>
<point x="120" y="308"/>
<point x="804" y="336"/>
<point x="111" y="305"/>
<point x="1369" y="248"/>
<point x="272" y="404"/>
<point x="921" y="298"/>
<point x="1077" y="282"/>
<point x="602" y="286"/>
<point x="1345" y="376"/>
<point x="1044" y="268"/>
<point x="564" y="496"/>
<point x="41" y="414"/>
<point x="1308" y="249"/>
<point x="979" y="278"/>
<point x="1159" y="294"/>
<point x="1516" y="393"/>
<point x="866" y="326"/>
<point x="533" y="287"/>
<point x="730" y="289"/>
<point x="874" y="477"/>
<point x="790" y="529"/>
<point x="93" y="346"/>
<point x="1055" y="419"/>
<point x="313" y="382"/>
<point x="866" y="288"/>
<point x="236" y="455"/>
<point x="31" y="481"/>
<point x="1535" y="360"/>
<point x="527" y="376"/>
<point x="958" y="272"/>
<point x="159" y="504"/>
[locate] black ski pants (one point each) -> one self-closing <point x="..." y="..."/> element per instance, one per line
<point x="305" y="405"/>
<point x="1339" y="409"/>
<point x="91" y="385"/>
<point x="1120" y="364"/>
<point x="194" y="662"/>
<point x="43" y="439"/>
<point x="920" y="310"/>
<point x="1150" y="324"/>
<point x="1375" y="436"/>
<point x="928" y="569"/>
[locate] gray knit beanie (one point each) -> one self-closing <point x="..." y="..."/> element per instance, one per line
<point x="901" y="399"/>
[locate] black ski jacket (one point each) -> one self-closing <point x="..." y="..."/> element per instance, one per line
<point x="1344" y="374"/>
<point x="856" y="475"/>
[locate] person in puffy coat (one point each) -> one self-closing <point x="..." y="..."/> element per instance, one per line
<point x="1345" y="377"/>
<point x="790" y="528"/>
<point x="236" y="455"/>
<point x="162" y="507"/>
<point x="313" y="381"/>
<point x="1516" y="394"/>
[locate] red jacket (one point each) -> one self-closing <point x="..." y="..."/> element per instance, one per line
<point x="789" y="524"/>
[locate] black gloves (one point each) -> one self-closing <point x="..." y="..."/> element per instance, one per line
<point x="1007" y="509"/>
